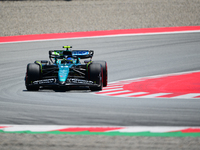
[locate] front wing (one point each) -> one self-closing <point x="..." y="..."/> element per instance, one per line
<point x="70" y="82"/>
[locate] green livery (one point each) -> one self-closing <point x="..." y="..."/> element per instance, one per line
<point x="65" y="70"/>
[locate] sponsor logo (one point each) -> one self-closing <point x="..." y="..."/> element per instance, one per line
<point x="79" y="81"/>
<point x="46" y="81"/>
<point x="79" y="53"/>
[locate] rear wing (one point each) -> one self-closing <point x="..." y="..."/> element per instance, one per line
<point x="82" y="54"/>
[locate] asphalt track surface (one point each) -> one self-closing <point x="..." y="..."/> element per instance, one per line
<point x="127" y="57"/>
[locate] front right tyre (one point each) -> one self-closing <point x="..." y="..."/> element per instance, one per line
<point x="33" y="73"/>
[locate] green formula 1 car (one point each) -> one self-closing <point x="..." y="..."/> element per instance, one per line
<point x="65" y="70"/>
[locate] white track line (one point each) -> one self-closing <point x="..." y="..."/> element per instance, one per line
<point x="106" y="36"/>
<point x="110" y="90"/>
<point x="127" y="129"/>
<point x="155" y="95"/>
<point x="154" y="129"/>
<point x="125" y="91"/>
<point x="131" y="94"/>
<point x="191" y="95"/>
<point x="111" y="87"/>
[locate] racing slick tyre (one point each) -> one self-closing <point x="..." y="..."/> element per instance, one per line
<point x="95" y="74"/>
<point x="33" y="73"/>
<point x="105" y="71"/>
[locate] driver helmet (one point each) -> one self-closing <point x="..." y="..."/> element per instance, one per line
<point x="70" y="60"/>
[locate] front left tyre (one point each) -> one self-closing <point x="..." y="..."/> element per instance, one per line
<point x="95" y="74"/>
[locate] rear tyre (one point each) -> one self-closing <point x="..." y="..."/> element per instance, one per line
<point x="95" y="73"/>
<point x="105" y="71"/>
<point x="33" y="73"/>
